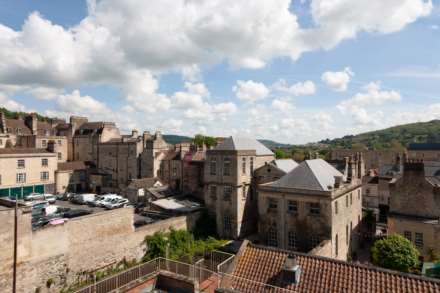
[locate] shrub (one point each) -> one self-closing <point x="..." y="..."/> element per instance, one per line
<point x="395" y="252"/>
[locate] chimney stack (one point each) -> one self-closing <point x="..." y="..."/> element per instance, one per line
<point x="32" y="122"/>
<point x="338" y="181"/>
<point x="291" y="270"/>
<point x="2" y="122"/>
<point x="134" y="133"/>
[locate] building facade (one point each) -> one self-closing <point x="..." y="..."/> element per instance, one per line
<point x="24" y="171"/>
<point x="415" y="206"/>
<point x="87" y="137"/>
<point x="424" y="151"/>
<point x="313" y="205"/>
<point x="228" y="174"/>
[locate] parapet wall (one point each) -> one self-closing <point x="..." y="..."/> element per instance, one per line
<point x="84" y="244"/>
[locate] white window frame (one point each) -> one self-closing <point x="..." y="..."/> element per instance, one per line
<point x="21" y="178"/>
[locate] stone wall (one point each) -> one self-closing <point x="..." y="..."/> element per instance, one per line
<point x="84" y="244"/>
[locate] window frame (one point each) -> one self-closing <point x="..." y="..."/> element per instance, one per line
<point x="314" y="208"/>
<point x="292" y="207"/>
<point x="19" y="165"/>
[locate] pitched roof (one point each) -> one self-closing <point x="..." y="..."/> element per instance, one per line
<point x="234" y="143"/>
<point x="18" y="124"/>
<point x="285" y="165"/>
<point x="310" y="175"/>
<point x="72" y="166"/>
<point x="319" y="274"/>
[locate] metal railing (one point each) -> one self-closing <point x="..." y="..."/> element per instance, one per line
<point x="204" y="277"/>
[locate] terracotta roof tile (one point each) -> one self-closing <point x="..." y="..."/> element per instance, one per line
<point x="262" y="264"/>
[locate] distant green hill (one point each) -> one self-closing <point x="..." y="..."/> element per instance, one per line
<point x="175" y="139"/>
<point x="393" y="137"/>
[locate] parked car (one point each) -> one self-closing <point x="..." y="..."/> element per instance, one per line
<point x="107" y="198"/>
<point x="83" y="198"/>
<point x="143" y="222"/>
<point x="34" y="196"/>
<point x="116" y="203"/>
<point x="65" y="196"/>
<point x="50" y="198"/>
<point x="76" y="213"/>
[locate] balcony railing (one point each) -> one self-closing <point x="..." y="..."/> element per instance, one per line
<point x="203" y="277"/>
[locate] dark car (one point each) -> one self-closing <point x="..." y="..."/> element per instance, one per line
<point x="143" y="222"/>
<point x="139" y="207"/>
<point x="76" y="213"/>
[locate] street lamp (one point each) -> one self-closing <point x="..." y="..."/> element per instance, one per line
<point x="14" y="278"/>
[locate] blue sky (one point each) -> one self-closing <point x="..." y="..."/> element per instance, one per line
<point x="293" y="72"/>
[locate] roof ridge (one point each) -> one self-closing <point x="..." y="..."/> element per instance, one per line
<point x="336" y="261"/>
<point x="314" y="175"/>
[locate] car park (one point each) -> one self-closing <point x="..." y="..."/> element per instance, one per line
<point x="65" y="196"/>
<point x="76" y="213"/>
<point x="50" y="198"/>
<point x="83" y="198"/>
<point x="34" y="196"/>
<point x="106" y="199"/>
<point x="116" y="203"/>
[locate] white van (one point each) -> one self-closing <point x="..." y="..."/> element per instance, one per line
<point x="84" y="198"/>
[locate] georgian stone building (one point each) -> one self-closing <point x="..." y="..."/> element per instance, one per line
<point x="23" y="171"/>
<point x="228" y="177"/>
<point x="87" y="137"/>
<point x="313" y="208"/>
<point x="415" y="205"/>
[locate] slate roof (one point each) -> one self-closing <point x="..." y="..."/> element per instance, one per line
<point x="424" y="146"/>
<point x="309" y="175"/>
<point x="285" y="165"/>
<point x="18" y="123"/>
<point x="319" y="274"/>
<point x="234" y="143"/>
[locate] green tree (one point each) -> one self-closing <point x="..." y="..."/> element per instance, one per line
<point x="156" y="245"/>
<point x="395" y="252"/>
<point x="200" y="140"/>
<point x="280" y="154"/>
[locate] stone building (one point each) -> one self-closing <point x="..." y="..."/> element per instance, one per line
<point x="415" y="205"/>
<point x="71" y="177"/>
<point x="53" y="143"/>
<point x="228" y="175"/>
<point x="87" y="137"/>
<point x="313" y="208"/>
<point x="23" y="171"/>
<point x="155" y="151"/>
<point x="193" y="171"/>
<point x="373" y="159"/>
<point x="119" y="159"/>
<point x="424" y="151"/>
<point x="273" y="171"/>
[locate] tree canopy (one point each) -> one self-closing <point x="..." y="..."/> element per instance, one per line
<point x="395" y="252"/>
<point x="200" y="140"/>
<point x="179" y="243"/>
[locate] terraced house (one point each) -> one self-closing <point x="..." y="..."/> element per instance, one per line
<point x="23" y="171"/>
<point x="313" y="208"/>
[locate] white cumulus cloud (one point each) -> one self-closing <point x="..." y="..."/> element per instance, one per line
<point x="338" y="80"/>
<point x="250" y="91"/>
